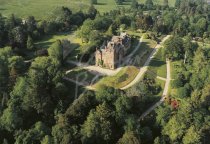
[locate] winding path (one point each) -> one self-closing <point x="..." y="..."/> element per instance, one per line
<point x="161" y="78"/>
<point x="165" y="93"/>
<point x="143" y="69"/>
<point x="95" y="69"/>
<point x="102" y="71"/>
<point x="98" y="70"/>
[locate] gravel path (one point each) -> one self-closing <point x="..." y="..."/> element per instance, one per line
<point x="95" y="69"/>
<point x="165" y="93"/>
<point x="161" y="78"/>
<point x="104" y="71"/>
<point x="143" y="69"/>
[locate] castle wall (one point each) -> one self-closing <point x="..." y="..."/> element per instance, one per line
<point x="112" y="55"/>
<point x="98" y="57"/>
<point x="109" y="59"/>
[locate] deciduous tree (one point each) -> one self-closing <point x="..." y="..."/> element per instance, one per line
<point x="129" y="138"/>
<point x="98" y="125"/>
<point x="30" y="43"/>
<point x="56" y="51"/>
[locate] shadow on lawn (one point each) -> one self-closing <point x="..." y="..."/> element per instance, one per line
<point x="100" y="3"/>
<point x="74" y="52"/>
<point x="157" y="63"/>
<point x="45" y="44"/>
<point x="2" y="9"/>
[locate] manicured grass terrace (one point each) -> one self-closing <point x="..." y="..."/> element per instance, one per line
<point x="121" y="79"/>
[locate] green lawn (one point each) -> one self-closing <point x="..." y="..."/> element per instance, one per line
<point x="175" y="69"/>
<point x="143" y="52"/>
<point x="158" y="65"/>
<point x="162" y="85"/>
<point x="134" y="43"/>
<point x="170" y="2"/>
<point x="121" y="79"/>
<point x="134" y="33"/>
<point x="38" y="8"/>
<point x="47" y="41"/>
<point x="41" y="8"/>
<point x="107" y="5"/>
<point x="204" y="45"/>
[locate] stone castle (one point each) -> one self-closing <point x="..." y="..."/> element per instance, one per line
<point x="111" y="54"/>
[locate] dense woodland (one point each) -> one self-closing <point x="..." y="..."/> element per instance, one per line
<point x="37" y="105"/>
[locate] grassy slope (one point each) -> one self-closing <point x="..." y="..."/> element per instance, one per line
<point x="121" y="79"/>
<point x="41" y="8"/>
<point x="144" y="51"/>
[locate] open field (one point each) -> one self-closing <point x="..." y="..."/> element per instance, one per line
<point x="121" y="79"/>
<point x="41" y="8"/>
<point x="170" y="2"/>
<point x="38" y="8"/>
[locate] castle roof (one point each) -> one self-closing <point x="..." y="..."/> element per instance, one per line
<point x="117" y="43"/>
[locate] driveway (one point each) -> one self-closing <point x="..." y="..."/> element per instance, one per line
<point x="165" y="93"/>
<point x="143" y="69"/>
